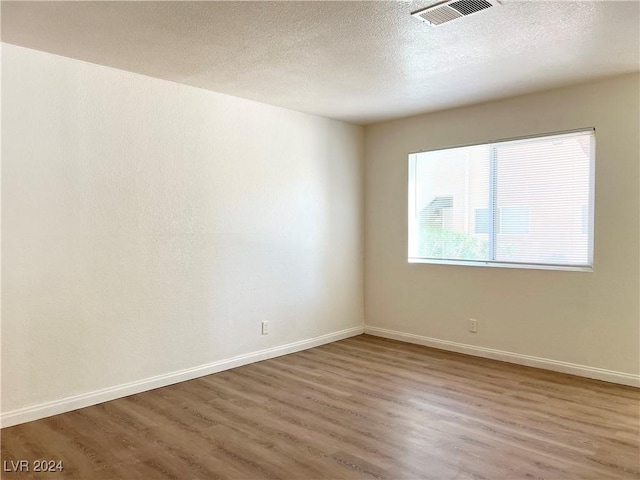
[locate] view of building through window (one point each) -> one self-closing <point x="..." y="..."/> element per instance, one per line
<point x="523" y="201"/>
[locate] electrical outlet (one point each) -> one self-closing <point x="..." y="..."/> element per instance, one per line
<point x="473" y="325"/>
<point x="265" y="328"/>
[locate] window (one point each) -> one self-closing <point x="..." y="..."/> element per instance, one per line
<point x="515" y="203"/>
<point x="513" y="220"/>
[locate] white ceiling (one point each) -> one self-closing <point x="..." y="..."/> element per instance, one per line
<point x="356" y="61"/>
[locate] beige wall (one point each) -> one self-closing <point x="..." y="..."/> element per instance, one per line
<point x="150" y="227"/>
<point x="589" y="319"/>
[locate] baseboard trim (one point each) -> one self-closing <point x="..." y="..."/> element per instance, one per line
<point x="43" y="410"/>
<point x="511" y="357"/>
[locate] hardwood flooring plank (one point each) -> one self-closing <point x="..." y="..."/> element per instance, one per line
<point x="361" y="408"/>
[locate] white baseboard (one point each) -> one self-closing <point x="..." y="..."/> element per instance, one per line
<point x="36" y="412"/>
<point x="511" y="357"/>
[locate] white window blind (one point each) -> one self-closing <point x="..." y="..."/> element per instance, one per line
<point x="521" y="203"/>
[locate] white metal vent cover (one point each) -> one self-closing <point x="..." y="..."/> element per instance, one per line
<point x="449" y="10"/>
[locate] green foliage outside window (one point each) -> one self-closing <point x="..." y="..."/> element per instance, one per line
<point x="441" y="243"/>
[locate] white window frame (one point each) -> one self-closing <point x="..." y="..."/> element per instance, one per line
<point x="501" y="264"/>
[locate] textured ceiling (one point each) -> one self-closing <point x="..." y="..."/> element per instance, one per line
<point x="356" y="61"/>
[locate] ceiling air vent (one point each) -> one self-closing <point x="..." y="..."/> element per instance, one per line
<point x="451" y="10"/>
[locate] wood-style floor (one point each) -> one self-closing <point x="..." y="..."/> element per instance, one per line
<point x="360" y="408"/>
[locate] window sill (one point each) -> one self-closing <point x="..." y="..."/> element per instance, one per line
<point x="480" y="263"/>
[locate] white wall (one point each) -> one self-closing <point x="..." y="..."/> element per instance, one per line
<point x="149" y="227"/>
<point x="587" y="319"/>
